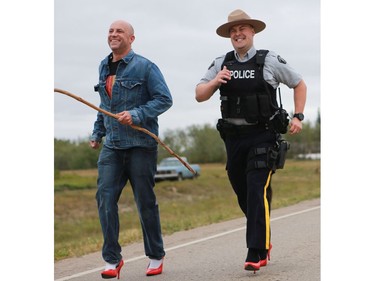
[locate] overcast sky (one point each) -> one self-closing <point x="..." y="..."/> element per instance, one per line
<point x="180" y="37"/>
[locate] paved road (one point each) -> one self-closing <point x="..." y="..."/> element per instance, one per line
<point x="217" y="252"/>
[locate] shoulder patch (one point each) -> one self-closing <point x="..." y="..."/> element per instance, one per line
<point x="281" y="60"/>
<point x="212" y="64"/>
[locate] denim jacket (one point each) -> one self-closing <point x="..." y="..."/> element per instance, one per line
<point x="139" y="88"/>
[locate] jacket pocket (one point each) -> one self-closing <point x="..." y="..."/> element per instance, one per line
<point x="131" y="92"/>
<point x="130" y="85"/>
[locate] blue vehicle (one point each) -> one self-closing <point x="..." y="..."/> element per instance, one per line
<point x="172" y="169"/>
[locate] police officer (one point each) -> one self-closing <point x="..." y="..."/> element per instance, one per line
<point x="248" y="108"/>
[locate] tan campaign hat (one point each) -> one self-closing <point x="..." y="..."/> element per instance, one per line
<point x="239" y="17"/>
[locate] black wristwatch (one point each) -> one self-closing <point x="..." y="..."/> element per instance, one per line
<point x="299" y="116"/>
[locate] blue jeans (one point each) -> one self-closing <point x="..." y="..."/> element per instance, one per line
<point x="115" y="168"/>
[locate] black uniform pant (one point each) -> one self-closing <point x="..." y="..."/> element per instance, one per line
<point x="252" y="184"/>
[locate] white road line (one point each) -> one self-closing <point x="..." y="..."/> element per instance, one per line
<point x="187" y="244"/>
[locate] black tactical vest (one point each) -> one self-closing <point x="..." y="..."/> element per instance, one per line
<point x="247" y="95"/>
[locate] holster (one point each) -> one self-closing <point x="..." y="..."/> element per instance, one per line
<point x="284" y="146"/>
<point x="277" y="155"/>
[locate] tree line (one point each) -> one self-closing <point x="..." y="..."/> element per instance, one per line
<point x="199" y="143"/>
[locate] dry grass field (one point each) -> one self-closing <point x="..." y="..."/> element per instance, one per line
<point x="183" y="204"/>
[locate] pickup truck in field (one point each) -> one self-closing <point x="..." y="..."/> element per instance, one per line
<point x="171" y="168"/>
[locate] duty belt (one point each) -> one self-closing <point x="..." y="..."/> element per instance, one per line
<point x="229" y="129"/>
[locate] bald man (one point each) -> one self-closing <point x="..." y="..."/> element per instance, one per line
<point x="134" y="88"/>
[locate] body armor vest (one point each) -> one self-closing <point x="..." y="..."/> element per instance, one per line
<point x="247" y="95"/>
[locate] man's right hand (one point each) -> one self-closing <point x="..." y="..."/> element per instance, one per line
<point x="94" y="144"/>
<point x="223" y="76"/>
<point x="204" y="91"/>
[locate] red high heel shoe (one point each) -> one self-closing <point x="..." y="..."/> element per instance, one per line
<point x="264" y="262"/>
<point x="154" y="271"/>
<point x="112" y="273"/>
<point x="252" y="266"/>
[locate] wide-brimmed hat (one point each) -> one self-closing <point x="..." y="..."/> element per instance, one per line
<point x="239" y="17"/>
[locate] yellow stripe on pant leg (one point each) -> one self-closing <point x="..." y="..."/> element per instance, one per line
<point x="267" y="211"/>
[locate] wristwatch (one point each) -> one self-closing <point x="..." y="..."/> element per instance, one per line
<point x="299" y="116"/>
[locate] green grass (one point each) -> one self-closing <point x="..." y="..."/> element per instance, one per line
<point x="183" y="205"/>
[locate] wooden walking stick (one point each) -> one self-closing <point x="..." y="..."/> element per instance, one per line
<point x="133" y="126"/>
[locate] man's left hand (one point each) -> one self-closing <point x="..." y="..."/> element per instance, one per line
<point x="295" y="126"/>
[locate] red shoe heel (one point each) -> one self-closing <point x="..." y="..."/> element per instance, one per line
<point x="269" y="252"/>
<point x="264" y="262"/>
<point x="112" y="273"/>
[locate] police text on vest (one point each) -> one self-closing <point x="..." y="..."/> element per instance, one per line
<point x="242" y="74"/>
